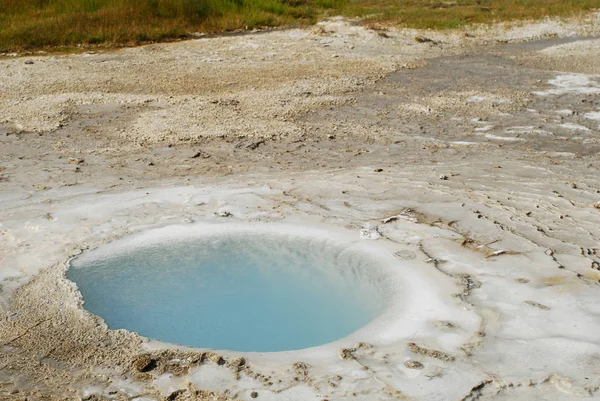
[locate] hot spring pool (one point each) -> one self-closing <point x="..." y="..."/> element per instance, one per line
<point x="236" y="290"/>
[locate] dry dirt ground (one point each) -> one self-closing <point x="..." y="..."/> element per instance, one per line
<point x="490" y="135"/>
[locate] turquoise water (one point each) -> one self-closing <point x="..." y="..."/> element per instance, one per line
<point x="236" y="292"/>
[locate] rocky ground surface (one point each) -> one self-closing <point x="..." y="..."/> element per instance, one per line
<point x="485" y="141"/>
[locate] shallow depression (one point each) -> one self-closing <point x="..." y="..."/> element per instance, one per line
<point x="244" y="291"/>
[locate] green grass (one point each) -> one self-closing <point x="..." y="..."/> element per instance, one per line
<point x="28" y="24"/>
<point x="423" y="14"/>
<point x="36" y="24"/>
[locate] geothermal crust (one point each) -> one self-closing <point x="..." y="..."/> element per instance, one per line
<point x="468" y="161"/>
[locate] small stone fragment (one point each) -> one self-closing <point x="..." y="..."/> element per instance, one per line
<point x="223" y="213"/>
<point x="254" y="394"/>
<point x="49" y="217"/>
<point x="402" y="216"/>
<point x="444" y="324"/>
<point x="496" y="253"/>
<point x="537" y="305"/>
<point x="414" y="365"/>
<point x="74" y="160"/>
<point x="251" y="145"/>
<point x="422" y="39"/>
<point x="200" y="154"/>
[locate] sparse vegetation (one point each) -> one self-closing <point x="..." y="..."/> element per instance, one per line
<point x="26" y="24"/>
<point x="34" y="24"/>
<point x="432" y="14"/>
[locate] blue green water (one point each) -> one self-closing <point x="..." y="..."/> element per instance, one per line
<point x="235" y="292"/>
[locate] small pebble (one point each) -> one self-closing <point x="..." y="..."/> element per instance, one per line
<point x="74" y="160"/>
<point x="414" y="365"/>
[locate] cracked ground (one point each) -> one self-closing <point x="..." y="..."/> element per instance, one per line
<point x="476" y="158"/>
